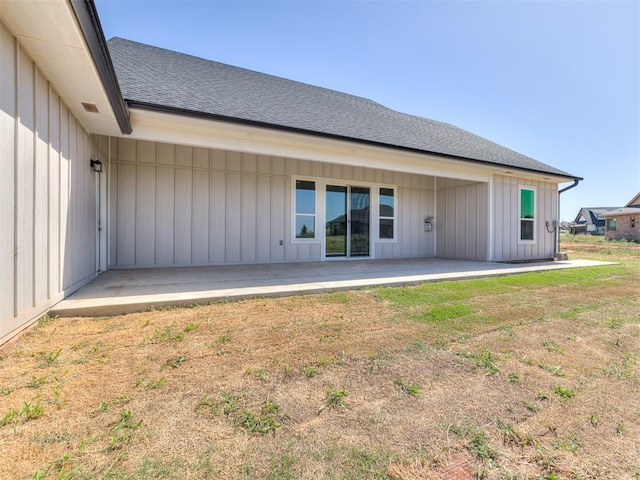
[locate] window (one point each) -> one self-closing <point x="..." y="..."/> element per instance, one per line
<point x="633" y="222"/>
<point x="305" y="221"/>
<point x="387" y="214"/>
<point x="527" y="214"/>
<point x="611" y="225"/>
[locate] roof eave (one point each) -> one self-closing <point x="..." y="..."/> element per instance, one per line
<point x="239" y="121"/>
<point x="623" y="211"/>
<point x="87" y="16"/>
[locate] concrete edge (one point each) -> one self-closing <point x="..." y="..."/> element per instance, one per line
<point x="142" y="303"/>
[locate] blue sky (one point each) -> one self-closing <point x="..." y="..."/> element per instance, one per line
<point x="556" y="80"/>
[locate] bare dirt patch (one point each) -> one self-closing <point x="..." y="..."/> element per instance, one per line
<point x="518" y="380"/>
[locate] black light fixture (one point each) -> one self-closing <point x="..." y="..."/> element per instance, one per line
<point x="96" y="166"/>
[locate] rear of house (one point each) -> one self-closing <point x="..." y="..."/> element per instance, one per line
<point x="227" y="165"/>
<point x="173" y="204"/>
<point x="207" y="164"/>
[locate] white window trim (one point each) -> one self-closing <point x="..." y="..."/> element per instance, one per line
<point x="394" y="218"/>
<point x="320" y="220"/>
<point x="294" y="213"/>
<point x="535" y="214"/>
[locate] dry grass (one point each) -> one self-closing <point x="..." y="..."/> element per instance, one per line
<point x="186" y="393"/>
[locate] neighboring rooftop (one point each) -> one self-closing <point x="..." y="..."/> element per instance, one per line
<point x="592" y="215"/>
<point x="634" y="202"/>
<point x="622" y="211"/>
<point x="152" y="77"/>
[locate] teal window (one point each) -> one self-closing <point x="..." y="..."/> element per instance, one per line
<point x="305" y="221"/>
<point x="527" y="214"/>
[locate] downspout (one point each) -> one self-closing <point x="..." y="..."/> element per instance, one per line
<point x="575" y="184"/>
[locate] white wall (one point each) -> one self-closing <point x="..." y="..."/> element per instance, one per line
<point x="180" y="205"/>
<point x="47" y="194"/>
<point x="461" y="222"/>
<point x="506" y="219"/>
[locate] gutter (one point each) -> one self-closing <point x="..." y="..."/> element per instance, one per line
<point x="573" y="185"/>
<point x="576" y="180"/>
<point x="152" y="107"/>
<point x="87" y="16"/>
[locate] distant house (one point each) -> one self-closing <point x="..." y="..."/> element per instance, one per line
<point x="624" y="223"/>
<point x="119" y="154"/>
<point x="634" y="202"/>
<point x="590" y="220"/>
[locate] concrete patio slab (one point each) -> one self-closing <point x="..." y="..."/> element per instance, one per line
<point x="122" y="291"/>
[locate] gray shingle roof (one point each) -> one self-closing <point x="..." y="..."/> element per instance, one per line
<point x="155" y="76"/>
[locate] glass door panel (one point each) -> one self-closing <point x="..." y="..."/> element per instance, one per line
<point x="336" y="216"/>
<point x="359" y="216"/>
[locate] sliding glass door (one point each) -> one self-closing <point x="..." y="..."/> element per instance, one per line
<point x="348" y="217"/>
<point x="336" y="231"/>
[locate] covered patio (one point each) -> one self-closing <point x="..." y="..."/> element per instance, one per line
<point x="121" y="291"/>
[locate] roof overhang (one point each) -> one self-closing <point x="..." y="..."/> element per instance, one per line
<point x="179" y="128"/>
<point x="634" y="201"/>
<point x="622" y="211"/>
<point x="65" y="40"/>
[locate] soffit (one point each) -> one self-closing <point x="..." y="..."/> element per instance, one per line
<point x="50" y="34"/>
<point x="183" y="130"/>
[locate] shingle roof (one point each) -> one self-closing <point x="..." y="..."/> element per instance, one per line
<point x="151" y="76"/>
<point x="591" y="214"/>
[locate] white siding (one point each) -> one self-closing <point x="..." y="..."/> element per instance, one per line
<point x="461" y="221"/>
<point x="47" y="194"/>
<point x="177" y="205"/>
<point x="506" y="218"/>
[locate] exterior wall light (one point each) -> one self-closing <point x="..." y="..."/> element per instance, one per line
<point x="96" y="166"/>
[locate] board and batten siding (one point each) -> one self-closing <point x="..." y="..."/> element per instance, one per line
<point x="181" y="205"/>
<point x="506" y="218"/>
<point x="461" y="222"/>
<point x="47" y="194"/>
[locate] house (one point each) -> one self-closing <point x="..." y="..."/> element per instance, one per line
<point x="634" y="202"/>
<point x="590" y="220"/>
<point x="119" y="154"/>
<point x="624" y="223"/>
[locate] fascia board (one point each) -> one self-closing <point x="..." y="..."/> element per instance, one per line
<point x="170" y="128"/>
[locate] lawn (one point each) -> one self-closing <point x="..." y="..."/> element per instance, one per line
<point x="522" y="377"/>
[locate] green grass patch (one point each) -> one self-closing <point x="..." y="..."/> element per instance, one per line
<point x="167" y="335"/>
<point x="485" y="360"/>
<point x="335" y="399"/>
<point x="435" y="294"/>
<point x="337" y="297"/>
<point x="623" y="369"/>
<point x="29" y="411"/>
<point x="564" y="393"/>
<point x="49" y="359"/>
<point x="123" y="431"/>
<point x="265" y="419"/>
<point x="447" y="311"/>
<point x="407" y="387"/>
